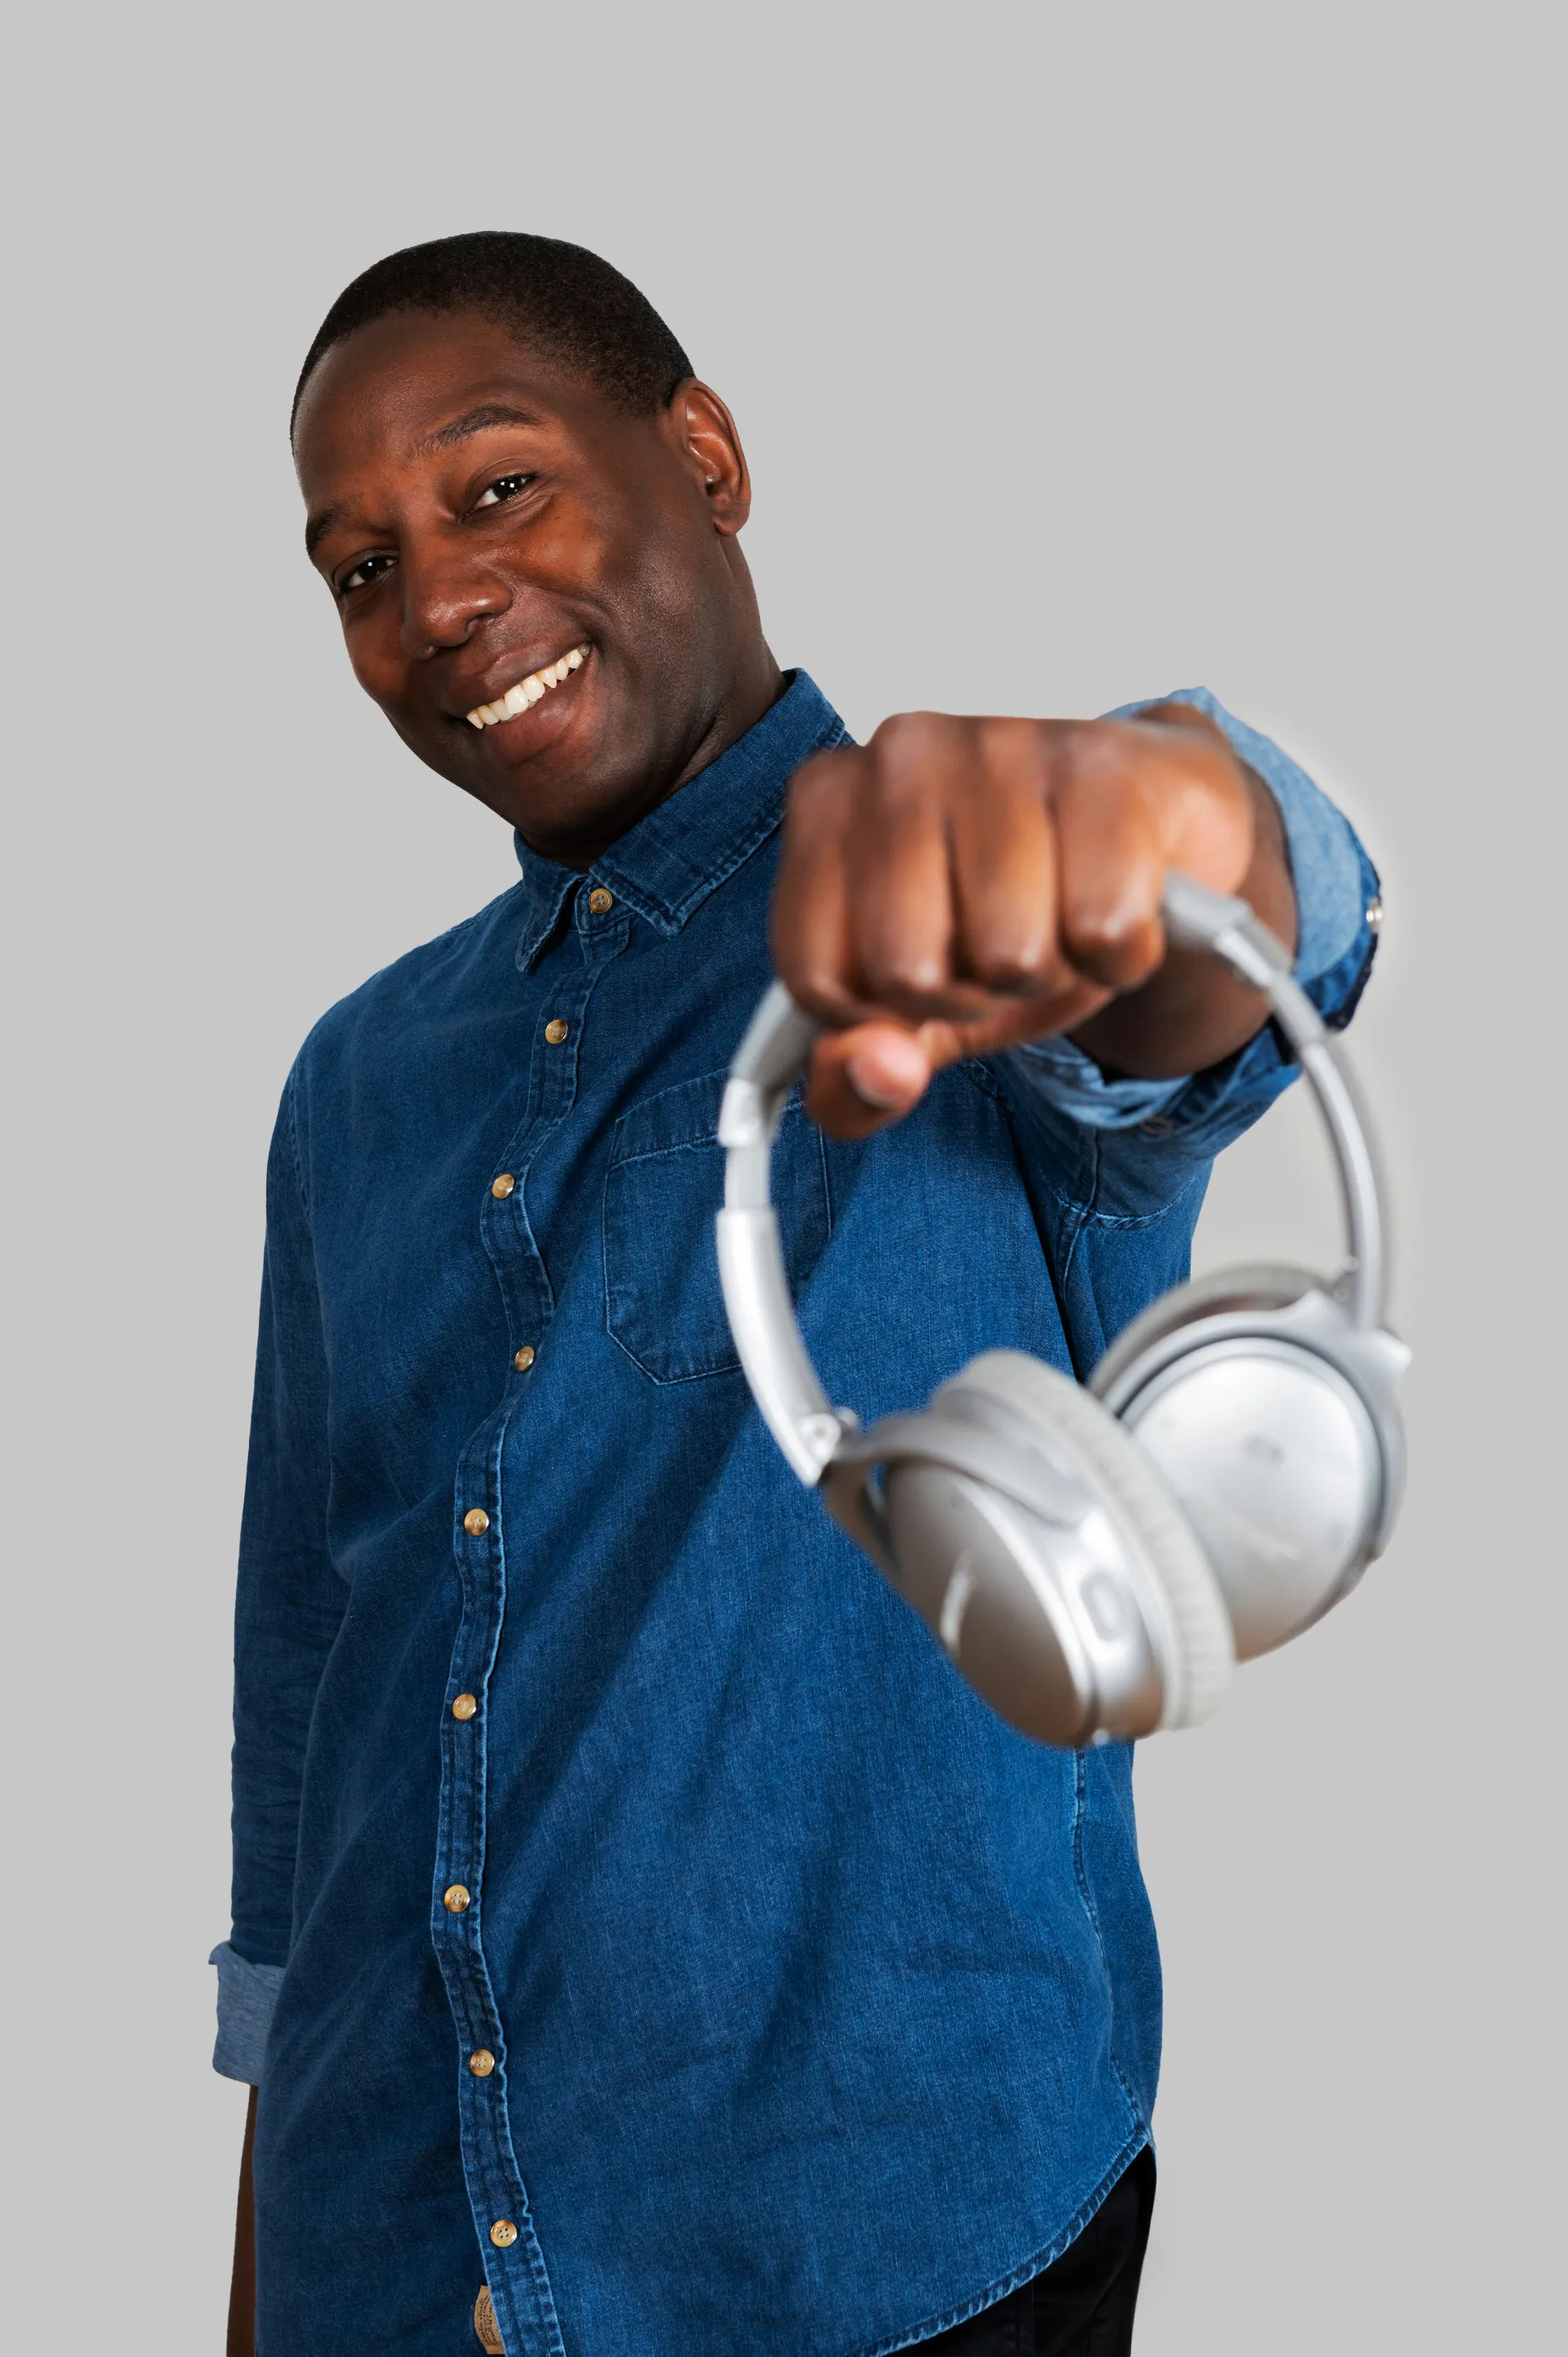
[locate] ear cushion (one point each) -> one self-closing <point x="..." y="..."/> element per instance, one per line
<point x="1136" y="1494"/>
<point x="1262" y="1285"/>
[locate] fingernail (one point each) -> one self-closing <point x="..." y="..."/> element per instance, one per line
<point x="870" y="1092"/>
<point x="888" y="1074"/>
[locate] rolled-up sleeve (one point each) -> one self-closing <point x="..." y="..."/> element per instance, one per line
<point x="288" y="1610"/>
<point x="1149" y="1140"/>
<point x="246" y="1996"/>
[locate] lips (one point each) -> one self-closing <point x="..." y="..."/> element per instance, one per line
<point x="530" y="691"/>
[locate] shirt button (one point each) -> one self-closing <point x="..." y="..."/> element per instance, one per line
<point x="455" y="1900"/>
<point x="1375" y="914"/>
<point x="599" y="900"/>
<point x="501" y="1187"/>
<point x="555" y="1031"/>
<point x="482" y="2064"/>
<point x="524" y="1359"/>
<point x="503" y="2234"/>
<point x="476" y="1522"/>
<point x="464" y="1707"/>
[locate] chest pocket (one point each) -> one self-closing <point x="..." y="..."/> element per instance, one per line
<point x="664" y="1189"/>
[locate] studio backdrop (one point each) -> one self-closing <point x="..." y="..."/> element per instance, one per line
<point x="1079" y="356"/>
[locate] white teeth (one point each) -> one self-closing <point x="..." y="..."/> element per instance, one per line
<point x="528" y="691"/>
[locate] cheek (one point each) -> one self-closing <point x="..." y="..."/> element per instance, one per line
<point x="568" y="549"/>
<point x="630" y="551"/>
<point x="371" y="641"/>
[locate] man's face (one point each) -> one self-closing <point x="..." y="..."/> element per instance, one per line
<point x="480" y="516"/>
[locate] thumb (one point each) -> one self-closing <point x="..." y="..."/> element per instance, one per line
<point x="864" y="1078"/>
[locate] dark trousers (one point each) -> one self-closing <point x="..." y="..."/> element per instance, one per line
<point x="1083" y="2305"/>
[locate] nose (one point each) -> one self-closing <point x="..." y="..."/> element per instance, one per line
<point x="445" y="592"/>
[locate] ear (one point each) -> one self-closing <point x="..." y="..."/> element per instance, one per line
<point x="704" y="433"/>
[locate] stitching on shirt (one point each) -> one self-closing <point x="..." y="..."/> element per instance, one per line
<point x="681" y="1145"/>
<point x="1019" y="2276"/>
<point x="704" y="1142"/>
<point x="465" y="1972"/>
<point x="291" y="1104"/>
<point x="738" y="852"/>
<point x="766" y="822"/>
<point x="1132" y="1219"/>
<point x="975" y="1068"/>
<point x="1086" y="1893"/>
<point x="742" y="848"/>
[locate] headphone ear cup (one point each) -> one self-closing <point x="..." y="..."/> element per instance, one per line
<point x="1188" y="1625"/>
<point x="1263" y="1286"/>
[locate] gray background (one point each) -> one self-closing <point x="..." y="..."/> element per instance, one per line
<point x="1079" y="354"/>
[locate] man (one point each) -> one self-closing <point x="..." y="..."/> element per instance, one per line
<point x="634" y="1914"/>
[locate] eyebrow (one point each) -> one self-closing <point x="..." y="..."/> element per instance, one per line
<point x="483" y="419"/>
<point x="320" y="525"/>
<point x="475" y="420"/>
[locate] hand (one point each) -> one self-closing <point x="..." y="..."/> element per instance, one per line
<point x="241" y="2339"/>
<point x="960" y="886"/>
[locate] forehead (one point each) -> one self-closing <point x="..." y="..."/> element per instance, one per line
<point x="382" y="396"/>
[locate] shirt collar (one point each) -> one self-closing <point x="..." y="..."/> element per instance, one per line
<point x="666" y="866"/>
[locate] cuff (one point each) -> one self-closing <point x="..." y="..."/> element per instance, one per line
<point x="246" y="1996"/>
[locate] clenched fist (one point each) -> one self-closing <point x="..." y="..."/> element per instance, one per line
<point x="959" y="885"/>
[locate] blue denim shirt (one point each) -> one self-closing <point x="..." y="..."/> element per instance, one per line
<point x="823" y="2007"/>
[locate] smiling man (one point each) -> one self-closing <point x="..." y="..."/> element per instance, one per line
<point x="644" y="1944"/>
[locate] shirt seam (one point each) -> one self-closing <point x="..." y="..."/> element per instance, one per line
<point x="1086" y="1896"/>
<point x="296" y="1158"/>
<point x="1026" y="2272"/>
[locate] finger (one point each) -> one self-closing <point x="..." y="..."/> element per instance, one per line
<point x="1110" y="846"/>
<point x="1014" y="1023"/>
<point x="808" y="927"/>
<point x="1004" y="867"/>
<point x="900" y="888"/>
<point x="865" y="1078"/>
<point x="862" y="1079"/>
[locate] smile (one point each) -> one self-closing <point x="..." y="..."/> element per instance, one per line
<point x="532" y="690"/>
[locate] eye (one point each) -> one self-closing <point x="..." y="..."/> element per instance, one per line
<point x="504" y="488"/>
<point x="369" y="569"/>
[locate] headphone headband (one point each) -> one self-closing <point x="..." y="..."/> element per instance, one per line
<point x="775" y="1051"/>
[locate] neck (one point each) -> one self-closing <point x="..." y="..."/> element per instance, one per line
<point x="752" y="689"/>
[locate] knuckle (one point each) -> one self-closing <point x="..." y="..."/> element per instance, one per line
<point x="1011" y="971"/>
<point x="1170" y="713"/>
<point x="1118" y="946"/>
<point x="902" y="730"/>
<point x="905" y="749"/>
<point x="820" y="991"/>
<point x="898" y="972"/>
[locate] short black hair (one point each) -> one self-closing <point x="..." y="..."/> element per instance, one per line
<point x="574" y="306"/>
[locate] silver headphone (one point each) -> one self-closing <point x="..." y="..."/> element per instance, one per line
<point x="1095" y="1560"/>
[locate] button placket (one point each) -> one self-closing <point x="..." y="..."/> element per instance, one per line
<point x="519" y="2283"/>
<point x="558" y="1000"/>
